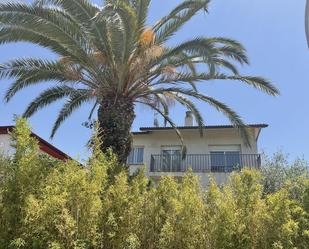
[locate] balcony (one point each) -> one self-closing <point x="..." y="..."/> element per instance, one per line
<point x="203" y="163"/>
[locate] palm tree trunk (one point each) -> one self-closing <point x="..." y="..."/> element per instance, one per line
<point x="115" y="117"/>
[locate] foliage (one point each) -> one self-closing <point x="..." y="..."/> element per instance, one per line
<point x="277" y="172"/>
<point x="108" y="56"/>
<point x="46" y="203"/>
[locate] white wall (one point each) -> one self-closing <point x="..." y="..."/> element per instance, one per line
<point x="5" y="145"/>
<point x="153" y="141"/>
<point x="220" y="178"/>
<point x="213" y="138"/>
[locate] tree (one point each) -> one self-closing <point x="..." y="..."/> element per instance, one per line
<point x="277" y="172"/>
<point x="109" y="56"/>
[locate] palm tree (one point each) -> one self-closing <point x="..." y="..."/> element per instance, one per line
<point x="108" y="56"/>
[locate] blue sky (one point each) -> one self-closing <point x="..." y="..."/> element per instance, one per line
<point x="272" y="32"/>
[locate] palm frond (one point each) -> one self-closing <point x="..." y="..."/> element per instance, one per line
<point x="20" y="34"/>
<point x="191" y="106"/>
<point x="227" y="42"/>
<point x="181" y="78"/>
<point x="225" y="64"/>
<point x="76" y="100"/>
<point x="86" y="14"/>
<point x="47" y="22"/>
<point x="257" y="82"/>
<point x="123" y="28"/>
<point x="207" y="48"/>
<point x="167" y="118"/>
<point x="30" y="72"/>
<point x="171" y="23"/>
<point x="92" y="110"/>
<point x="234" y="53"/>
<point x="15" y="67"/>
<point x="165" y="101"/>
<point x="234" y="118"/>
<point x="186" y="61"/>
<point x="47" y="97"/>
<point x="141" y="7"/>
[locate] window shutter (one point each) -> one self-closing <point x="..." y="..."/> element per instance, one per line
<point x="136" y="155"/>
<point x="140" y="155"/>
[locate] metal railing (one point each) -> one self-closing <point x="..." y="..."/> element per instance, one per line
<point x="204" y="162"/>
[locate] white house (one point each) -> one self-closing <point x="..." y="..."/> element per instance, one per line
<point x="218" y="152"/>
<point x="45" y="147"/>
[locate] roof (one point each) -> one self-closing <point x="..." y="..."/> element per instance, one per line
<point x="146" y="130"/>
<point x="44" y="145"/>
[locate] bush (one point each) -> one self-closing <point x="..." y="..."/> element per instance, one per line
<point x="45" y="203"/>
<point x="277" y="173"/>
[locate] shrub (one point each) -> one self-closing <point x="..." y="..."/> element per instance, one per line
<point x="45" y="203"/>
<point x="278" y="173"/>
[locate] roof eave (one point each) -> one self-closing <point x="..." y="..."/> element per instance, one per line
<point x="143" y="129"/>
<point x="44" y="145"/>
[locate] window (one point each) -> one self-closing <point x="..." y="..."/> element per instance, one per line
<point x="171" y="158"/>
<point x="224" y="161"/>
<point x="136" y="156"/>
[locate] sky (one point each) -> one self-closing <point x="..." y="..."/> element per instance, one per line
<point x="273" y="34"/>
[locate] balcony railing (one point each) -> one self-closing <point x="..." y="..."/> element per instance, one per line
<point x="204" y="162"/>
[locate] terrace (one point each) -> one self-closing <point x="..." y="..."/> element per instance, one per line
<point x="203" y="163"/>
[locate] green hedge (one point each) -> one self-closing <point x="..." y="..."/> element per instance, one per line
<point x="45" y="203"/>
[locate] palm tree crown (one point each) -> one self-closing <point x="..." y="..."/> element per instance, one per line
<point x="110" y="57"/>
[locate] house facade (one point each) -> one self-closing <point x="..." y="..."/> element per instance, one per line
<point x="45" y="147"/>
<point x="218" y="152"/>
